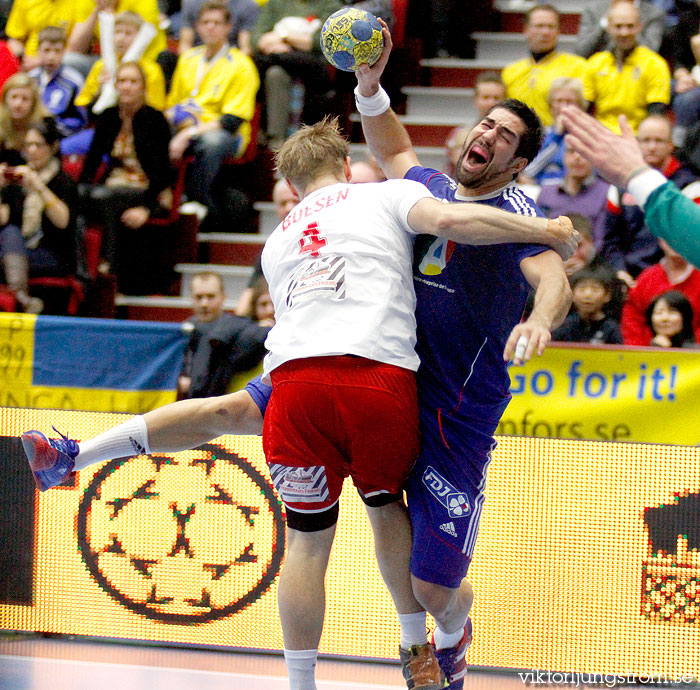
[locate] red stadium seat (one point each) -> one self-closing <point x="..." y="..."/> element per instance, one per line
<point x="69" y="283"/>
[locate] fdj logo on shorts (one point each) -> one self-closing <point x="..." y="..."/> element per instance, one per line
<point x="456" y="502"/>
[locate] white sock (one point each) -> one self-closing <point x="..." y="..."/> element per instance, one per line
<point x="128" y="438"/>
<point x="413" y="630"/>
<point x="301" y="664"/>
<point x="445" y="640"/>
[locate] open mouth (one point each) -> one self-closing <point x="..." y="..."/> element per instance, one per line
<point x="477" y="157"/>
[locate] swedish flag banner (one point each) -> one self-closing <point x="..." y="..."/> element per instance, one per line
<point x="88" y="364"/>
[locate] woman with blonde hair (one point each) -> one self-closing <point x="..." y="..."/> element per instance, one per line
<point x="20" y="106"/>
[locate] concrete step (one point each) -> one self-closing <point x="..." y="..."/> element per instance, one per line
<point x="233" y="249"/>
<point x="514" y="22"/>
<point x="429" y="156"/>
<point x="510" y="46"/>
<point x="451" y="102"/>
<point x="235" y="277"/>
<point x="513" y="14"/>
<point x="268" y="217"/>
<point x="425" y="131"/>
<point x="454" y="72"/>
<point x="429" y="134"/>
<point x="563" y="6"/>
<point x="158" y="308"/>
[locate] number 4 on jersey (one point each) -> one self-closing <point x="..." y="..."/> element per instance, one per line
<point x="311" y="241"/>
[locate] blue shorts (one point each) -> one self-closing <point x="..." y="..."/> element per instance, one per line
<point x="445" y="492"/>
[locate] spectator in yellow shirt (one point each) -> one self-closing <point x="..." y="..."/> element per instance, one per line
<point x="630" y="79"/>
<point x="529" y="79"/>
<point x="211" y="104"/>
<point x="28" y="17"/>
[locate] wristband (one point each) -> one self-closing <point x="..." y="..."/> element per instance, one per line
<point x="372" y="105"/>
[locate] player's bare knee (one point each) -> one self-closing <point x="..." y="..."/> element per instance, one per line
<point x="437" y="600"/>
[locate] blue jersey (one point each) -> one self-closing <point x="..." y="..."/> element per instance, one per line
<point x="58" y="93"/>
<point x="469" y="299"/>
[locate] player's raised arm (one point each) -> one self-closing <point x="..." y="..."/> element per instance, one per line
<point x="481" y="224"/>
<point x="385" y="135"/>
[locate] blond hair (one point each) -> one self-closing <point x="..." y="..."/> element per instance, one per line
<point x="313" y="151"/>
<point x="128" y="18"/>
<point x="8" y="135"/>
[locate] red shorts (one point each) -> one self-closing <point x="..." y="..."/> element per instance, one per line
<point x="333" y="417"/>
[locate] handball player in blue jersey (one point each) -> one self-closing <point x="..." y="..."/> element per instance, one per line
<point x="470" y="302"/>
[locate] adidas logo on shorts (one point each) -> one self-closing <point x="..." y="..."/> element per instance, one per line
<point x="449" y="527"/>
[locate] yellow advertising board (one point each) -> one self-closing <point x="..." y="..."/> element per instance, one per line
<point x="588" y="558"/>
<point x="607" y="393"/>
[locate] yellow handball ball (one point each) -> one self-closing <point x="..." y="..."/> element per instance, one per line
<point x="350" y="37"/>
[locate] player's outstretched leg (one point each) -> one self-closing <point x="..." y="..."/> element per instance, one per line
<point x="168" y="429"/>
<point x="51" y="460"/>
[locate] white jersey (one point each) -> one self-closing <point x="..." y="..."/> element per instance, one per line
<point x="339" y="270"/>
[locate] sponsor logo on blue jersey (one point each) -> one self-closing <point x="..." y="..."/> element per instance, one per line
<point x="456" y="502"/>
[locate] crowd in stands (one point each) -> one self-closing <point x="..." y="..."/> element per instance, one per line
<point x="137" y="112"/>
<point x="99" y="80"/>
<point x="633" y="58"/>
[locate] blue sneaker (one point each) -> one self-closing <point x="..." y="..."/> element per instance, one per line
<point x="453" y="660"/>
<point x="51" y="460"/>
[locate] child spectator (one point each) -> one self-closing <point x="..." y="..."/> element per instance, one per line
<point x="59" y="85"/>
<point x="95" y="19"/>
<point x="670" y="317"/>
<point x="593" y="289"/>
<point x="28" y="17"/>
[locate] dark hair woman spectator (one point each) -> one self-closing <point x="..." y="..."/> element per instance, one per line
<point x="40" y="237"/>
<point x="670" y="317"/>
<point x="133" y="185"/>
